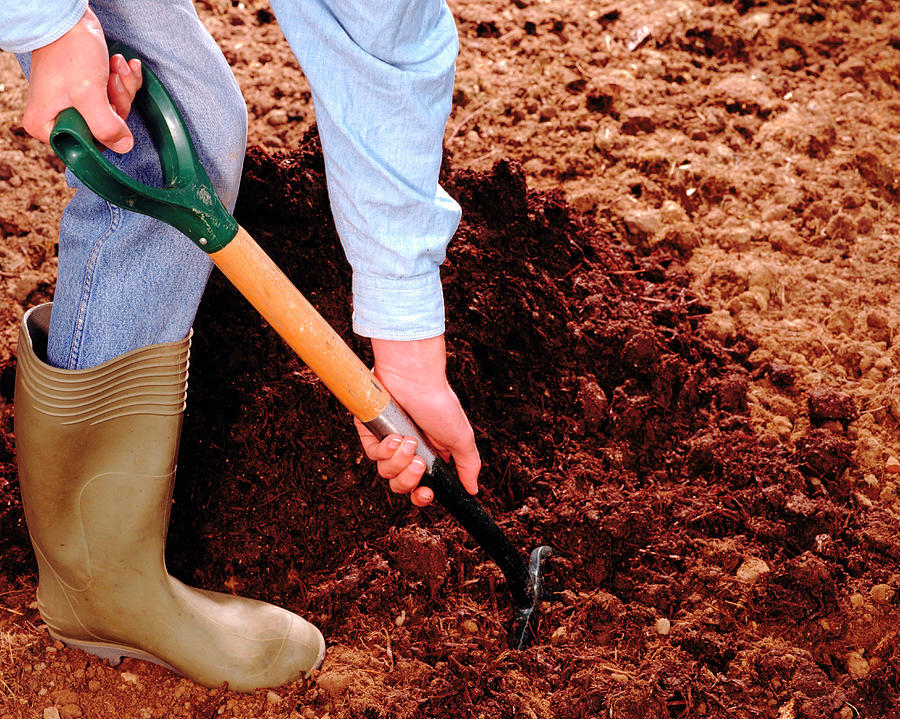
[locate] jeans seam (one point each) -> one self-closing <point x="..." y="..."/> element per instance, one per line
<point x="90" y="270"/>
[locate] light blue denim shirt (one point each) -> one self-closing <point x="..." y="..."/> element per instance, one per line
<point x="26" y="25"/>
<point x="382" y="77"/>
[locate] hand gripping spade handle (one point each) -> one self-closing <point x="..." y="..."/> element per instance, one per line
<point x="188" y="202"/>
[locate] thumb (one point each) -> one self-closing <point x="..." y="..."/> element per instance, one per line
<point x="106" y="126"/>
<point x="468" y="465"/>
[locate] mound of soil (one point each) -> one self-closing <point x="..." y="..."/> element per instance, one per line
<point x="696" y="573"/>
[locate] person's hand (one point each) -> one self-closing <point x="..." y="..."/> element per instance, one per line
<point x="415" y="375"/>
<point x="76" y="71"/>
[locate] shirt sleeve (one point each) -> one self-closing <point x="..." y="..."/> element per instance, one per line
<point x="26" y="25"/>
<point x="381" y="76"/>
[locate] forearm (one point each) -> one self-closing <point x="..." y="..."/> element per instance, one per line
<point x="26" y="25"/>
<point x="382" y="78"/>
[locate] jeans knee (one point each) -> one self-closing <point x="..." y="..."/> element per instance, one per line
<point x="219" y="131"/>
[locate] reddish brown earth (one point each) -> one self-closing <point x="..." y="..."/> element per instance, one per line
<point x="679" y="362"/>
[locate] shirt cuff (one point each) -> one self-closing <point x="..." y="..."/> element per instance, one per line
<point x="409" y="308"/>
<point x="38" y="24"/>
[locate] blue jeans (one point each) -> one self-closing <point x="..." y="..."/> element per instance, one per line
<point x="382" y="76"/>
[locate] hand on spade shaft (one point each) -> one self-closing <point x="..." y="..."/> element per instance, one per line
<point x="415" y="374"/>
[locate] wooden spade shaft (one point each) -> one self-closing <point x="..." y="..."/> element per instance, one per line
<point x="291" y="315"/>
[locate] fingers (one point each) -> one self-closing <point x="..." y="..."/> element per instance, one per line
<point x="398" y="463"/>
<point x="125" y="80"/>
<point x="468" y="465"/>
<point x="421" y="496"/>
<point x="105" y="113"/>
<point x="137" y="74"/>
<point x="374" y="448"/>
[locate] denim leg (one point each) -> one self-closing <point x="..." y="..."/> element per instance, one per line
<point x="381" y="75"/>
<point x="126" y="280"/>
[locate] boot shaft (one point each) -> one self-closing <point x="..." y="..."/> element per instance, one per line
<point x="96" y="449"/>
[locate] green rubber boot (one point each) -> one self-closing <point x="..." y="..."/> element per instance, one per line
<point x="96" y="451"/>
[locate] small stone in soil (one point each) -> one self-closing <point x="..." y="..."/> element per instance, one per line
<point x="643" y="222"/>
<point x="877" y="319"/>
<point x="277" y="117"/>
<point x="663" y="627"/>
<point x="827" y="403"/>
<point x="840" y="321"/>
<point x="882" y="593"/>
<point x="335" y="683"/>
<point x="782" y="375"/>
<point x="751" y="570"/>
<point x="469" y="626"/>
<point x="857" y="665"/>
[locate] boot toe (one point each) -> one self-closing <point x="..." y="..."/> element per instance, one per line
<point x="301" y="651"/>
<point x="304" y="646"/>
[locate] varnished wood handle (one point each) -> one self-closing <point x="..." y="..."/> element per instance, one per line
<point x="291" y="315"/>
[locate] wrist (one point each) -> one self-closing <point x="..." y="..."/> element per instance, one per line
<point x="423" y="361"/>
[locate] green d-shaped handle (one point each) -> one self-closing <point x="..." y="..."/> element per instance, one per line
<point x="187" y="200"/>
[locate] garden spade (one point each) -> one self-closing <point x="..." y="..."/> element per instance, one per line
<point x="188" y="202"/>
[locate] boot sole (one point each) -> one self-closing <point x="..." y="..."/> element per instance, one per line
<point x="115" y="653"/>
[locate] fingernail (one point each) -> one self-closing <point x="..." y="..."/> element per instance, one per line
<point x="136" y="69"/>
<point x="418" y="463"/>
<point x="409" y="447"/>
<point x="122" y="146"/>
<point x="117" y="81"/>
<point x="394" y="443"/>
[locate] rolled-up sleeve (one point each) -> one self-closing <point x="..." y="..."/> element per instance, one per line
<point x="381" y="75"/>
<point x="26" y="25"/>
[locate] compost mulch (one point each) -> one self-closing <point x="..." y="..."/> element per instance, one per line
<point x="697" y="570"/>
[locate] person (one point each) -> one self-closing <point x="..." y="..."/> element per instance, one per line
<point x="102" y="371"/>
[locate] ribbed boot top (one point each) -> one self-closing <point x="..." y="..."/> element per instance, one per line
<point x="148" y="380"/>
